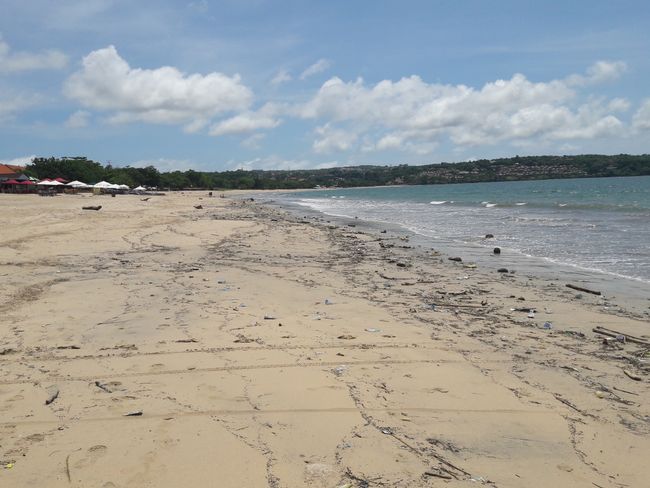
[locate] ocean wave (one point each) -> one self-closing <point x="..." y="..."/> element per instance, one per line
<point x="438" y="202"/>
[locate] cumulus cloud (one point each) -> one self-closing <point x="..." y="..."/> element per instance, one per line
<point x="164" y="95"/>
<point x="318" y="67"/>
<point x="247" y="122"/>
<point x="282" y="76"/>
<point x="11" y="104"/>
<point x="413" y="115"/>
<point x="78" y="119"/>
<point x="330" y="139"/>
<point x="641" y="120"/>
<point x="14" y="62"/>
<point x="275" y="162"/>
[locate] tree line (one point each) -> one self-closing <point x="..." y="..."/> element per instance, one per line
<point x="505" y="169"/>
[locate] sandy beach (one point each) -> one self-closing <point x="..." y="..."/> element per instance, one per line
<point x="253" y="348"/>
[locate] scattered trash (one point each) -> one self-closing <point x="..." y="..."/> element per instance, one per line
<point x="198" y="207"/>
<point x="92" y="207"/>
<point x="457" y="259"/>
<point x="339" y="370"/>
<point x="502" y="270"/>
<point x="620" y="338"/>
<point x="9" y="465"/>
<point x="328" y="301"/>
<point x="497" y="250"/>
<point x="531" y="315"/>
<point x="387" y="431"/>
<point x="523" y="309"/>
<point x="548" y="325"/>
<point x="372" y="329"/>
<point x="135" y="413"/>
<point x="489" y="236"/>
<point x="269" y="317"/>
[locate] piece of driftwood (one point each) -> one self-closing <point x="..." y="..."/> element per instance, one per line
<point x="198" y="207"/>
<point x="92" y="207"/>
<point x="135" y="413"/>
<point x="615" y="333"/>
<point x="52" y="394"/>
<point x="631" y="375"/>
<point x="103" y="387"/>
<point x="580" y="288"/>
<point x="444" y="476"/>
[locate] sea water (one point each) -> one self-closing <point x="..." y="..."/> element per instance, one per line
<point x="598" y="225"/>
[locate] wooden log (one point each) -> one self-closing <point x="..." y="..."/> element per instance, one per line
<point x="615" y="333"/>
<point x="580" y="288"/>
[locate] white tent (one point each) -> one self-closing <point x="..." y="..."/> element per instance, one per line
<point x="123" y="187"/>
<point x="103" y="184"/>
<point x="49" y="183"/>
<point x="139" y="188"/>
<point x="78" y="184"/>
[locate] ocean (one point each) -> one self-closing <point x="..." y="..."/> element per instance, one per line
<point x="597" y="225"/>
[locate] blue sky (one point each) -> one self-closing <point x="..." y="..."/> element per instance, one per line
<point x="215" y="85"/>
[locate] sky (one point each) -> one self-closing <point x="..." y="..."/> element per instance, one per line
<point x="259" y="84"/>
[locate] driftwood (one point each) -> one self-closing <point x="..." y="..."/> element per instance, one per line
<point x="615" y="333"/>
<point x="198" y="207"/>
<point x="52" y="394"/>
<point x="92" y="207"/>
<point x="586" y="290"/>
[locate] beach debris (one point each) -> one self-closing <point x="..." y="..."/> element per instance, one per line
<point x="502" y="270"/>
<point x="616" y="333"/>
<point x="523" y="309"/>
<point x="631" y="375"/>
<point x="134" y="413"/>
<point x="580" y="288"/>
<point x="456" y="259"/>
<point x="52" y="394"/>
<point x="7" y="350"/>
<point x="438" y="474"/>
<point x="68" y="347"/>
<point x="347" y="337"/>
<point x="489" y="236"/>
<point x="145" y="199"/>
<point x="92" y="207"/>
<point x="9" y="465"/>
<point x="372" y="329"/>
<point x="198" y="207"/>
<point x="186" y="340"/>
<point x="102" y="386"/>
<point x="339" y="370"/>
<point x="496" y="250"/>
<point x="531" y="315"/>
<point x="269" y="317"/>
<point x="328" y="301"/>
<point x="242" y="339"/>
<point x="548" y="325"/>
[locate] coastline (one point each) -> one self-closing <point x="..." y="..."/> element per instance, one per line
<point x="296" y="352"/>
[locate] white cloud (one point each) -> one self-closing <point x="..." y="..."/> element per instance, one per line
<point x="14" y="62"/>
<point x="248" y="121"/>
<point x="11" y="104"/>
<point x="163" y="95"/>
<point x="282" y="76"/>
<point x="318" y="67"/>
<point x="641" y="120"/>
<point x="277" y="163"/>
<point x="78" y="119"/>
<point x="22" y="161"/>
<point x="413" y="115"/>
<point x="165" y="164"/>
<point x="599" y="72"/>
<point x="331" y="139"/>
<point x="253" y="142"/>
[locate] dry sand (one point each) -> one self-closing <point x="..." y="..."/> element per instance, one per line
<point x="263" y="350"/>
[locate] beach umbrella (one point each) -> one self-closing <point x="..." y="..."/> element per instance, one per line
<point x="139" y="188"/>
<point x="77" y="184"/>
<point x="49" y="183"/>
<point x="103" y="184"/>
<point x="11" y="182"/>
<point x="26" y="182"/>
<point x="123" y="187"/>
<point x="60" y="180"/>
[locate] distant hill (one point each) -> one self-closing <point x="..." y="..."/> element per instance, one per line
<point x="506" y="169"/>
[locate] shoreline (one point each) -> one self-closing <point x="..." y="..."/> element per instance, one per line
<point x="296" y="352"/>
<point x="632" y="294"/>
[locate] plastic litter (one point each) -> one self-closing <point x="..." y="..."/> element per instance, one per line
<point x="328" y="301"/>
<point x="548" y="325"/>
<point x="372" y="329"/>
<point x="531" y="315"/>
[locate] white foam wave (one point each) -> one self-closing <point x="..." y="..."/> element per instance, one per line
<point x="439" y="202"/>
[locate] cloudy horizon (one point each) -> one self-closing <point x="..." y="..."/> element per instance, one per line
<point x="218" y="85"/>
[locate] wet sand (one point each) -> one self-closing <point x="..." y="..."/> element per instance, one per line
<point x="262" y="349"/>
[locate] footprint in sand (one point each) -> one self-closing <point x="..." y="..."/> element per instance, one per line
<point x="92" y="455"/>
